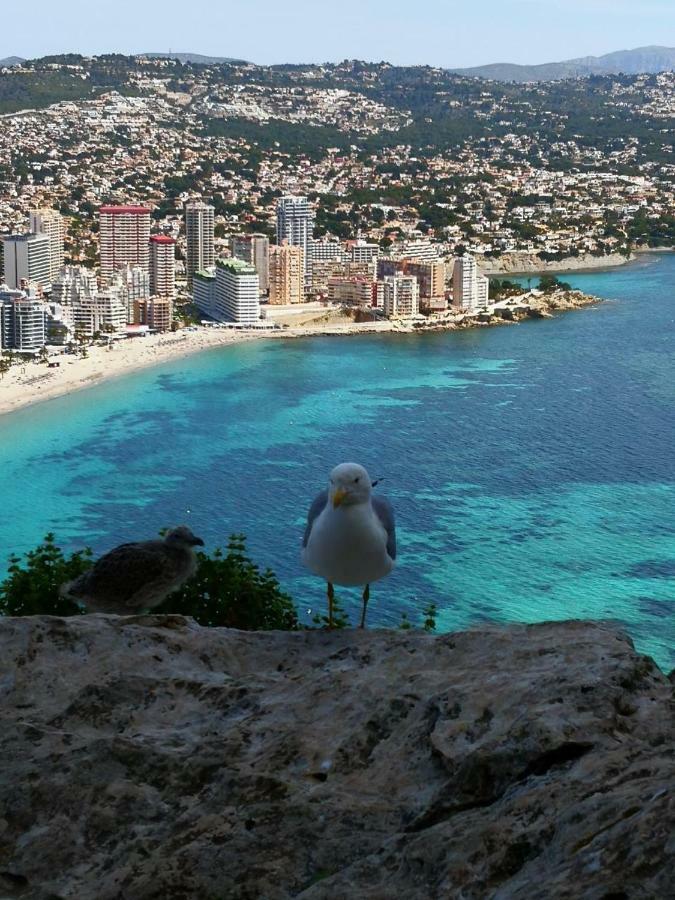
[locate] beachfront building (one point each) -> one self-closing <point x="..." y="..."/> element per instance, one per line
<point x="204" y="291"/>
<point x="156" y="313"/>
<point x="72" y="284"/>
<point x="51" y="223"/>
<point x="295" y="224"/>
<point x="431" y="279"/>
<point x="124" y="238"/>
<point x="400" y="296"/>
<point x="104" y="312"/>
<point x="237" y="292"/>
<point x="27" y="260"/>
<point x="469" y="287"/>
<point x="355" y="291"/>
<point x="254" y="249"/>
<point x="200" y="239"/>
<point x="286" y="275"/>
<point x="23" y="320"/>
<point x="162" y="266"/>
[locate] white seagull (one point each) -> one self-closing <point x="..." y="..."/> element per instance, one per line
<point x="350" y="538"/>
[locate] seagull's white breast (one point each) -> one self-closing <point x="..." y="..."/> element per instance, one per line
<point x="348" y="546"/>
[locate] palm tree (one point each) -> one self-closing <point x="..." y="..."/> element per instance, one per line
<point x="5" y="366"/>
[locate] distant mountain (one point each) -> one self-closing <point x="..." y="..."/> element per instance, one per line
<point x="195" y="58"/>
<point x="11" y="61"/>
<point x="630" y="62"/>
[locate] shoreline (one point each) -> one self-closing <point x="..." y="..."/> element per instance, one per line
<point x="27" y="384"/>
<point x="515" y="264"/>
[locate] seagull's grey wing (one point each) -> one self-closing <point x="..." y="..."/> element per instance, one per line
<point x="385" y="513"/>
<point x="315" y="510"/>
<point x="127" y="569"/>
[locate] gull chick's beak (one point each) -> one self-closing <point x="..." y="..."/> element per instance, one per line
<point x="197" y="542"/>
<point x="338" y="498"/>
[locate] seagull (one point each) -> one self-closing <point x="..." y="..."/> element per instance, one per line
<point x="136" y="577"/>
<point x="350" y="538"/>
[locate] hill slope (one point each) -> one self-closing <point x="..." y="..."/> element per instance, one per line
<point x="629" y="62"/>
<point x="195" y="58"/>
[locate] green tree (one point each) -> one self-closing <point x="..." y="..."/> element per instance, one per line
<point x="549" y="283"/>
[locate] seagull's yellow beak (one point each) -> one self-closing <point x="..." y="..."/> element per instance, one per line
<point x="339" y="497"/>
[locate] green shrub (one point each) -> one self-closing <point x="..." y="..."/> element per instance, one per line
<point x="230" y="591"/>
<point x="32" y="589"/>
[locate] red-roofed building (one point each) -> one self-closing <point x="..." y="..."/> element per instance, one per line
<point x="124" y="238"/>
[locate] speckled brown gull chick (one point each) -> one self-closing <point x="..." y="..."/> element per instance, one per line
<point x="136" y="577"/>
<point x="350" y="537"/>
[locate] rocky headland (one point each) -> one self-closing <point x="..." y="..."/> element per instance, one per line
<point x="147" y="758"/>
<point x="518" y="263"/>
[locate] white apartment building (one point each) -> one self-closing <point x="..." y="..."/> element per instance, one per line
<point x="51" y="223"/>
<point x="419" y="250"/>
<point x="105" y="312"/>
<point x="237" y="293"/>
<point x="254" y="249"/>
<point x="401" y="296"/>
<point x="163" y="266"/>
<point x="72" y="284"/>
<point x="326" y="250"/>
<point x="469" y="287"/>
<point x="295" y="224"/>
<point x="27" y="259"/>
<point x="363" y="252"/>
<point x="124" y="238"/>
<point x="204" y="291"/>
<point x="199" y="232"/>
<point x="23" y="321"/>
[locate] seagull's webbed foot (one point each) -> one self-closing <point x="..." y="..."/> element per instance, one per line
<point x="331" y="601"/>
<point x="366" y="598"/>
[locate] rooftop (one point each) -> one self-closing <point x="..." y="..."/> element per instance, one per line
<point x="121" y="210"/>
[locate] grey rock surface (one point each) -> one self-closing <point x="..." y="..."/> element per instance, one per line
<point x="147" y="758"/>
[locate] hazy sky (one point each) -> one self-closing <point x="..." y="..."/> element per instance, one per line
<point x="438" y="32"/>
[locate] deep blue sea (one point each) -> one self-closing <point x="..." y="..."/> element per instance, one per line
<point x="531" y="466"/>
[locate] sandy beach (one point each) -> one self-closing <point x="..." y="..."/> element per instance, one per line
<point x="32" y="382"/>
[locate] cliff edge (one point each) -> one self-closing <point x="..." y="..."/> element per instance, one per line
<point x="149" y="758"/>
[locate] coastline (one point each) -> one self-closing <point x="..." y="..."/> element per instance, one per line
<point x="26" y="384"/>
<point x="519" y="265"/>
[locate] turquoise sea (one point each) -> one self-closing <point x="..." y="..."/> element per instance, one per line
<point x="532" y="466"/>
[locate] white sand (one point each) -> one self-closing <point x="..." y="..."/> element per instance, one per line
<point x="32" y="382"/>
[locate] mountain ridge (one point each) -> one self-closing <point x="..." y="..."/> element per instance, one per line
<point x="649" y="60"/>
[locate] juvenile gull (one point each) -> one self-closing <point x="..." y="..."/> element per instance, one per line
<point x="350" y="538"/>
<point x="136" y="577"/>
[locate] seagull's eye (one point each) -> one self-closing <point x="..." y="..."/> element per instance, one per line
<point x="356" y="480"/>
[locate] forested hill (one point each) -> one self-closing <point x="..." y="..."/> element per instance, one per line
<point x="372" y="105"/>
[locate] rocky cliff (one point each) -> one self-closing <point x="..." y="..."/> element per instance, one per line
<point x="148" y="758"/>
